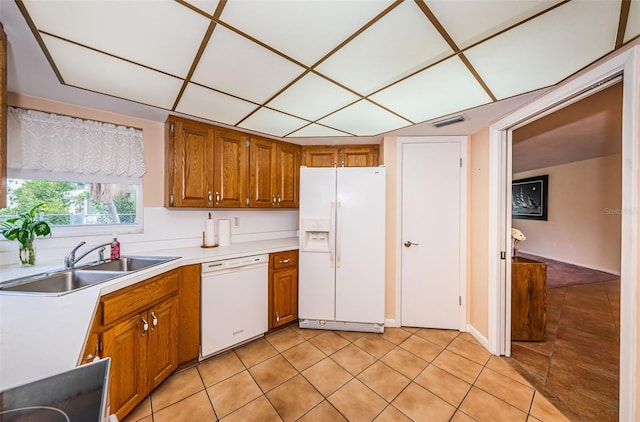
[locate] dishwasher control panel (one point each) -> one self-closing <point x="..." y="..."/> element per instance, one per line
<point x="234" y="263"/>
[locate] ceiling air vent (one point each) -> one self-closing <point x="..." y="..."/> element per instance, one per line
<point x="449" y="121"/>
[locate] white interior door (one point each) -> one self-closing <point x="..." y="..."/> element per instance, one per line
<point x="431" y="224"/>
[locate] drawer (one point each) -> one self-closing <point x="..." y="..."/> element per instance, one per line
<point x="284" y="259"/>
<point x="138" y="297"/>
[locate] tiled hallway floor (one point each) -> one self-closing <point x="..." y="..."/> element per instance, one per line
<point x="310" y="375"/>
<point x="579" y="362"/>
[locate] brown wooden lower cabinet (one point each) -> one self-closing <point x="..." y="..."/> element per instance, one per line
<point x="189" y="313"/>
<point x="528" y="297"/>
<point x="283" y="288"/>
<point x="137" y="327"/>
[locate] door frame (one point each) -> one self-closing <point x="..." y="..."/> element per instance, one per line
<point x="626" y="63"/>
<point x="462" y="140"/>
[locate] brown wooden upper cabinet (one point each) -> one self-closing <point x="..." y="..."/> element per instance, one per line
<point x="208" y="166"/>
<point x="287" y="174"/>
<point x="262" y="173"/>
<point x="189" y="164"/>
<point x="274" y="174"/>
<point x="341" y="156"/>
<point x="230" y="169"/>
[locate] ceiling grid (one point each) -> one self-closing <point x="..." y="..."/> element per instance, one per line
<point x="324" y="68"/>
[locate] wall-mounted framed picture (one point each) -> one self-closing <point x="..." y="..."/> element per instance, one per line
<point x="529" y="198"/>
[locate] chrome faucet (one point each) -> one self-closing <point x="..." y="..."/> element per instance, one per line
<point x="70" y="260"/>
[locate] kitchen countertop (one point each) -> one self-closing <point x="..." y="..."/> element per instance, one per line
<point x="44" y="335"/>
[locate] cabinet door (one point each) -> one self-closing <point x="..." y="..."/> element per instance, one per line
<point x="189" y="313"/>
<point x="262" y="175"/>
<point x="320" y="156"/>
<point x="287" y="175"/>
<point x="528" y="297"/>
<point x="230" y="169"/>
<point x="189" y="163"/>
<point x="163" y="341"/>
<point x="359" y="156"/>
<point x="126" y="344"/>
<point x="285" y="296"/>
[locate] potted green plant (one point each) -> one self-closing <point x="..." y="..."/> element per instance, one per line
<point x="24" y="228"/>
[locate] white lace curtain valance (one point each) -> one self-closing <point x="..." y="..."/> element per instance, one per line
<point x="71" y="147"/>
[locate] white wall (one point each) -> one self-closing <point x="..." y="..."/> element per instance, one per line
<point x="584" y="214"/>
<point x="165" y="228"/>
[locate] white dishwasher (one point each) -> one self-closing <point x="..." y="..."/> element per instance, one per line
<point x="233" y="302"/>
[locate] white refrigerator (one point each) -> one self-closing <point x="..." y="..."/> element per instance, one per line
<point x="341" y="273"/>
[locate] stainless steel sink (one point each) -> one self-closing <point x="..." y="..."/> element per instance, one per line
<point x="129" y="263"/>
<point x="64" y="281"/>
<point x="60" y="282"/>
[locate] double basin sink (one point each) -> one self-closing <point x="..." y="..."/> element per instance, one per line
<point x="68" y="280"/>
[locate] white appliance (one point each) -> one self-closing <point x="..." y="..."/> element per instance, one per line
<point x="233" y="302"/>
<point x="341" y="269"/>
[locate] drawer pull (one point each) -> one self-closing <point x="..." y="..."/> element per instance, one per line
<point x="277" y="317"/>
<point x="285" y="261"/>
<point x="154" y="321"/>
<point x="145" y="326"/>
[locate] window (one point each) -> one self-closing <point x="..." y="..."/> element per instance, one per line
<point x="88" y="174"/>
<point x="73" y="203"/>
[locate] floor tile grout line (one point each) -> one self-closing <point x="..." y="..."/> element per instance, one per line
<point x="352" y="376"/>
<point x="553" y="347"/>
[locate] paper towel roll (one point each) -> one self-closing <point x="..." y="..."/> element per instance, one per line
<point x="224" y="232"/>
<point x="210" y="232"/>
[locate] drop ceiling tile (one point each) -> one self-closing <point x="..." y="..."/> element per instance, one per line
<point x="207" y="6"/>
<point x="437" y="91"/>
<point x="400" y="43"/>
<point x="547" y="49"/>
<point x="272" y="122"/>
<point x="314" y="130"/>
<point x="364" y="119"/>
<point x="212" y="105"/>
<point x="468" y="21"/>
<point x="633" y="22"/>
<point x="85" y="68"/>
<point x="312" y="97"/>
<point x="242" y="68"/>
<point x="161" y="34"/>
<point x="303" y="30"/>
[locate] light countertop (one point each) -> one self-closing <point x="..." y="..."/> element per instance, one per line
<point x="44" y="335"/>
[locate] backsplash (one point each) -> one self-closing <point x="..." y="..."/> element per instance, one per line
<point x="164" y="229"/>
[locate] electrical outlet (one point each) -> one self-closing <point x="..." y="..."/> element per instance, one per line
<point x="236" y="221"/>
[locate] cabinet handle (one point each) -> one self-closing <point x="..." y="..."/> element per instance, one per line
<point x="277" y="317"/>
<point x="278" y="200"/>
<point x="154" y="320"/>
<point x="145" y="326"/>
<point x="285" y="261"/>
<point x="273" y="199"/>
<point x="210" y="197"/>
<point x="217" y="198"/>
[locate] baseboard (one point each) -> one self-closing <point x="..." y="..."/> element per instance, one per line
<point x="341" y="325"/>
<point x="478" y="336"/>
<point x="391" y="323"/>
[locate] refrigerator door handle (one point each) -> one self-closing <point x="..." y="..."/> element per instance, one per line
<point x="339" y="235"/>
<point x="332" y="230"/>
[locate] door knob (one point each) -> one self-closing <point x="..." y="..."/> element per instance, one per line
<point x="409" y="243"/>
